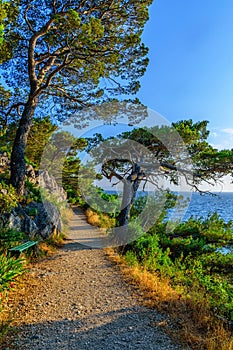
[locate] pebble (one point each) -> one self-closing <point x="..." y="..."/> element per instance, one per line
<point x="90" y="310"/>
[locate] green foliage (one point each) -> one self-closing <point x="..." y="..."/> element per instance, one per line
<point x="174" y="153"/>
<point x="106" y="221"/>
<point x="9" y="237"/>
<point x="131" y="258"/>
<point x="39" y="135"/>
<point x="8" y="198"/>
<point x="10" y="269"/>
<point x="102" y="40"/>
<point x="34" y="192"/>
<point x="8" y="14"/>
<point x="104" y="202"/>
<point x="150" y="255"/>
<point x="189" y="257"/>
<point x="218" y="290"/>
<point x="7" y="131"/>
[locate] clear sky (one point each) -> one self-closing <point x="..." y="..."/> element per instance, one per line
<point x="190" y="74"/>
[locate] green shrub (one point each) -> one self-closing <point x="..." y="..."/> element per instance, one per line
<point x="131" y="258"/>
<point x="188" y="255"/>
<point x="150" y="255"/>
<point x="10" y="268"/>
<point x="34" y="193"/>
<point x="9" y="237"/>
<point x="8" y="198"/>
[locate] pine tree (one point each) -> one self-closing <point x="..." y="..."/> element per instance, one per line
<point x="70" y="54"/>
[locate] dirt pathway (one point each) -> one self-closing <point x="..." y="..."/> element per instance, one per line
<point x="79" y="301"/>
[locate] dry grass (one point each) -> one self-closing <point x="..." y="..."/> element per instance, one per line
<point x="190" y="320"/>
<point x="92" y="218"/>
<point x="99" y="220"/>
<point x="12" y="302"/>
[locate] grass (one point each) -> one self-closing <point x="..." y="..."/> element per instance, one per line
<point x="99" y="219"/>
<point x="189" y="319"/>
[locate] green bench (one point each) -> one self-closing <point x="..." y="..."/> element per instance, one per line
<point x="17" y="250"/>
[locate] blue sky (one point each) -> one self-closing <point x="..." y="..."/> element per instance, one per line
<point x="190" y="74"/>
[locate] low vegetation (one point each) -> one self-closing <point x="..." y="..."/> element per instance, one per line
<point x="181" y="271"/>
<point x="185" y="273"/>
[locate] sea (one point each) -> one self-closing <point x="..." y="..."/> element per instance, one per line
<point x="203" y="205"/>
<point x="206" y="204"/>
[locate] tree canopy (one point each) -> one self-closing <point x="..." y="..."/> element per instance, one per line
<point x="69" y="54"/>
<point x="160" y="155"/>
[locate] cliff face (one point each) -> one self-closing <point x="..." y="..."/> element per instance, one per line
<point x="41" y="218"/>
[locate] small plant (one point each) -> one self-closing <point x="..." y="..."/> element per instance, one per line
<point x="4" y="327"/>
<point x="8" y="198"/>
<point x="9" y="237"/>
<point x="34" y="192"/>
<point x="10" y="269"/>
<point x="99" y="219"/>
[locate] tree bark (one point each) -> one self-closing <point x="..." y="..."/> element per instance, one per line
<point x="130" y="188"/>
<point x="18" y="164"/>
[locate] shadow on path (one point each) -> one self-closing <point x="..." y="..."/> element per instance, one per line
<point x="116" y="330"/>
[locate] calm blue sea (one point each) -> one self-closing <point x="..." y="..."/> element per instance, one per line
<point x="202" y="205"/>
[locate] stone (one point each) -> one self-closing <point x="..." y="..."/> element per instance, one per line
<point x="49" y="183"/>
<point x="36" y="219"/>
<point x="14" y="221"/>
<point x="45" y="221"/>
<point x="31" y="173"/>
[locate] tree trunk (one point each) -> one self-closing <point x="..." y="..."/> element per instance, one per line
<point x="18" y="164"/>
<point x="130" y="188"/>
<point x="124" y="216"/>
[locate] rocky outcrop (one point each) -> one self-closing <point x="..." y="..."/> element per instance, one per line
<point x="36" y="219"/>
<point x="49" y="183"/>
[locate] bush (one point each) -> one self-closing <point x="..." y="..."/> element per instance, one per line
<point x="99" y="219"/>
<point x="10" y="269"/>
<point x="8" y="198"/>
<point x="189" y="257"/>
<point x="34" y="193"/>
<point x="150" y="255"/>
<point x="9" y="237"/>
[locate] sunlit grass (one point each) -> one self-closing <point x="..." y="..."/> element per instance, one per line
<point x="190" y="318"/>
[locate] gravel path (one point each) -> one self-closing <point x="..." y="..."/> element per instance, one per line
<point x="79" y="301"/>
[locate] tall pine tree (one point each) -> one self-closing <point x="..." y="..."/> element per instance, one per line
<point x="70" y="54"/>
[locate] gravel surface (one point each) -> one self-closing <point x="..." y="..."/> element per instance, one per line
<point x="79" y="301"/>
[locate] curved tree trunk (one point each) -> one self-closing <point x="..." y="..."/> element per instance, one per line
<point x="124" y="215"/>
<point x="18" y="165"/>
<point x="130" y="188"/>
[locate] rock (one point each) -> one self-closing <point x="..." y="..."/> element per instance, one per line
<point x="41" y="219"/>
<point x="15" y="221"/>
<point x="31" y="173"/>
<point x="44" y="222"/>
<point x="47" y="218"/>
<point x="49" y="183"/>
<point x="30" y="227"/>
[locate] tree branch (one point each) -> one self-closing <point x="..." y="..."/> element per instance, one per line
<point x="112" y="174"/>
<point x="27" y="20"/>
<point x="54" y="4"/>
<point x="52" y="74"/>
<point x="15" y="106"/>
<point x="69" y="97"/>
<point x="31" y="55"/>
